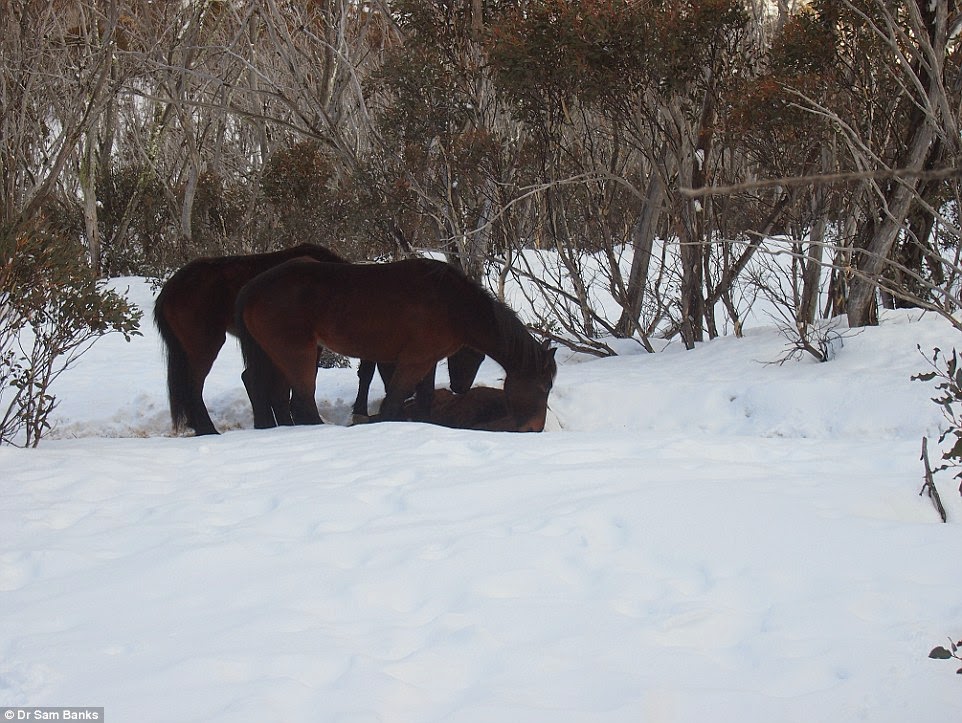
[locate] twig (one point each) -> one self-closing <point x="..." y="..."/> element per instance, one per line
<point x="929" y="485"/>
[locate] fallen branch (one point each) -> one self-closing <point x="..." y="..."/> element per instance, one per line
<point x="929" y="484"/>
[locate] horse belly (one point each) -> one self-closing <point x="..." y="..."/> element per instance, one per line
<point x="387" y="337"/>
<point x="358" y="347"/>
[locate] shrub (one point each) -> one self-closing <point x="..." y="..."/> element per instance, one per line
<point x="950" y="653"/>
<point x="52" y="310"/>
<point x="947" y="369"/>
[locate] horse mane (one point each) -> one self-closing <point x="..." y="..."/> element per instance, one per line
<point x="517" y="342"/>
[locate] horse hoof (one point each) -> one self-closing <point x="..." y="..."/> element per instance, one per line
<point x="359" y="419"/>
<point x="308" y="422"/>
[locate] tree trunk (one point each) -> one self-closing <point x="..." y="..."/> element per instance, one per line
<point x="187" y="210"/>
<point x="692" y="232"/>
<point x="812" y="274"/>
<point x="880" y="231"/>
<point x="692" y="300"/>
<point x="642" y="241"/>
<point x="88" y="188"/>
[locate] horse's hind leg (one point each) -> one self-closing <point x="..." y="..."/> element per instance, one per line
<point x="304" y="411"/>
<point x="200" y="421"/>
<point x="259" y="391"/>
<point x="280" y="401"/>
<point x="299" y="377"/>
<point x="200" y="349"/>
<point x="197" y="415"/>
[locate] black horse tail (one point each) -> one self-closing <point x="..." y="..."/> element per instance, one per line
<point x="254" y="356"/>
<point x="178" y="368"/>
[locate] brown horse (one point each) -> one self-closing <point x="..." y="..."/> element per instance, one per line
<point x="463" y="367"/>
<point x="194" y="312"/>
<point x="409" y="313"/>
<point x="483" y="408"/>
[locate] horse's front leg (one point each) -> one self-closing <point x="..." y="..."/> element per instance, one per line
<point x="304" y="411"/>
<point x="365" y="374"/>
<point x="406" y="379"/>
<point x="424" y="396"/>
<point x="463" y="367"/>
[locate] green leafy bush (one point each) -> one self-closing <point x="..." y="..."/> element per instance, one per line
<point x="52" y="310"/>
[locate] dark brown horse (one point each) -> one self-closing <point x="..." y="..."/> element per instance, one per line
<point x="409" y="313"/>
<point x="479" y="408"/>
<point x="194" y="312"/>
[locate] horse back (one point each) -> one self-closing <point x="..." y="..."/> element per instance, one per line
<point x="203" y="292"/>
<point x="371" y="311"/>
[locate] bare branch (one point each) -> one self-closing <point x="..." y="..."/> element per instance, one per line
<point x="825" y="179"/>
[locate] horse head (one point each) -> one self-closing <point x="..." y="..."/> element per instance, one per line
<point x="527" y="391"/>
<point x="463" y="367"/>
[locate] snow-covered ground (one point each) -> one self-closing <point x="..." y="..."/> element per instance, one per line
<point x="698" y="536"/>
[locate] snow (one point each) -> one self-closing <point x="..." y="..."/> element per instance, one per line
<point x="698" y="535"/>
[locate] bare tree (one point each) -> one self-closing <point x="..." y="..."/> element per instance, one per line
<point x="914" y="56"/>
<point x="55" y="82"/>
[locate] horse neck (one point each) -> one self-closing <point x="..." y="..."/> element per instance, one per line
<point x="490" y="326"/>
<point x="510" y="344"/>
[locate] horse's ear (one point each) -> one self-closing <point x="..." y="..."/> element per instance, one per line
<point x="549" y="362"/>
